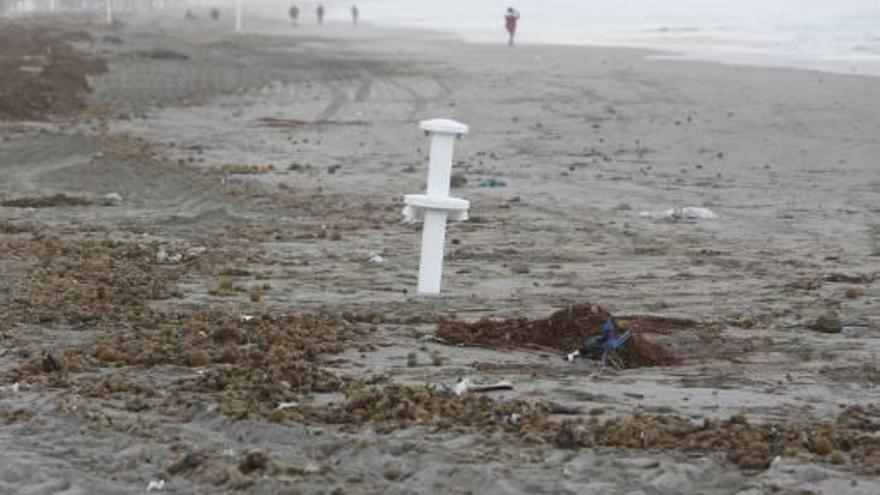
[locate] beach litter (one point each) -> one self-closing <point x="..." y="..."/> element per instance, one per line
<point x="678" y="214"/>
<point x="465" y="385"/>
<point x="569" y="328"/>
<point x="605" y="347"/>
<point x="490" y="182"/>
<point x="111" y="199"/>
<point x="163" y="256"/>
<point x="157" y="486"/>
<point x="376" y="258"/>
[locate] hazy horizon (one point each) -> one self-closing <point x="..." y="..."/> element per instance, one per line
<point x="843" y="36"/>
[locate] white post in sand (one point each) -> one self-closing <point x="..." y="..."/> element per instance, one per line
<point x="238" y="12"/>
<point x="436" y="206"/>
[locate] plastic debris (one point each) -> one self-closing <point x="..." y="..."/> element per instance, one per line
<point x="286" y="405"/>
<point x="462" y="386"/>
<point x="162" y="257"/>
<point x="112" y="199"/>
<point x="157" y="486"/>
<point x="490" y="182"/>
<point x="376" y="258"/>
<point x="686" y="213"/>
<point x="604" y="346"/>
<point x="466" y="385"/>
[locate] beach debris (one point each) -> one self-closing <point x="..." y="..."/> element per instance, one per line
<point x="111" y="199"/>
<point x="163" y="257"/>
<point x="462" y="386"/>
<point x="43" y="76"/>
<point x="242" y="169"/>
<point x="53" y="201"/>
<point x="458" y="181"/>
<point x="376" y="258"/>
<point x="287" y="405"/>
<point x="520" y="268"/>
<point x="828" y="323"/>
<point x="436" y="207"/>
<point x="490" y="182"/>
<point x="465" y="385"/>
<point x="412" y="360"/>
<point x="568" y="329"/>
<point x="678" y="214"/>
<point x="13" y="389"/>
<point x="162" y="54"/>
<point x="436" y="359"/>
<point x="156" y="486"/>
<point x="607" y="346"/>
<point x="854" y="292"/>
<point x="861" y="278"/>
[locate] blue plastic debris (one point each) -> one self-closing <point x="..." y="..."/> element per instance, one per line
<point x="490" y="182"/>
<point x="605" y="346"/>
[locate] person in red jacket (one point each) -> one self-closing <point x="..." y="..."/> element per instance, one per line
<point x="510" y="20"/>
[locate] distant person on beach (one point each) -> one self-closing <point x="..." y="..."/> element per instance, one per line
<point x="215" y="14"/>
<point x="355" y="13"/>
<point x="510" y="20"/>
<point x="320" y="13"/>
<point x="293" y="12"/>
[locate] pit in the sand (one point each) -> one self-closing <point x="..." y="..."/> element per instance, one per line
<point x="570" y="328"/>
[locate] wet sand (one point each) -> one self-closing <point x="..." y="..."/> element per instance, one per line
<point x="275" y="164"/>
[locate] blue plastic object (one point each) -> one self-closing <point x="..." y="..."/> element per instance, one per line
<point x="607" y="344"/>
<point x="490" y="182"/>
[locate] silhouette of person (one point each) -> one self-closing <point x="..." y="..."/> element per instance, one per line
<point x="293" y="12"/>
<point x="320" y="13"/>
<point x="355" y="13"/>
<point x="510" y="21"/>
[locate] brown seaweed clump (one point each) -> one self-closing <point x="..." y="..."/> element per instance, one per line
<point x="565" y="330"/>
<point x="851" y="437"/>
<point x="43" y="76"/>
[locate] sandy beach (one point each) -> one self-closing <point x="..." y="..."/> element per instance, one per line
<point x="192" y="296"/>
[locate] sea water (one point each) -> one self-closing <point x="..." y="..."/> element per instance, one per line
<point x="831" y="35"/>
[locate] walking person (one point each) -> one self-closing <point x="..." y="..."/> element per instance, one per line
<point x="510" y="21"/>
<point x="320" y="12"/>
<point x="293" y="12"/>
<point x="355" y="13"/>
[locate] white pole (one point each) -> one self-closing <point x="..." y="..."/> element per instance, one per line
<point x="238" y="12"/>
<point x="108" y="11"/>
<point x="433" y="246"/>
<point x="436" y="205"/>
<point x="51" y="5"/>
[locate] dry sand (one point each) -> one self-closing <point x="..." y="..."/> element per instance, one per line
<point x="275" y="164"/>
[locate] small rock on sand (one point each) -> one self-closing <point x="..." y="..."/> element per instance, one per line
<point x="854" y="293"/>
<point x="828" y="323"/>
<point x="457" y="181"/>
<point x="520" y="268"/>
